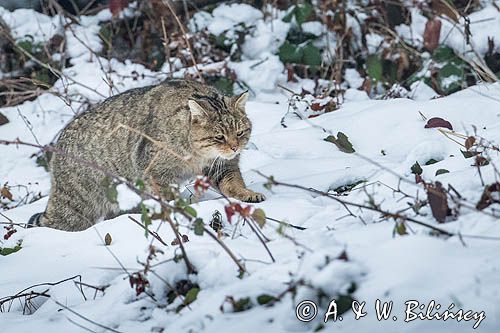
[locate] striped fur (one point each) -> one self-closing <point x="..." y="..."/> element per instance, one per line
<point x="162" y="134"/>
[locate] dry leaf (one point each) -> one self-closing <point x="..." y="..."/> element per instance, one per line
<point x="491" y="195"/>
<point x="438" y="201"/>
<point x="108" y="239"/>
<point x="469" y="142"/>
<point x="6" y="193"/>
<point x="438" y="122"/>
<point x="317" y="107"/>
<point x="116" y="6"/>
<point x="3" y="120"/>
<point x="432" y="33"/>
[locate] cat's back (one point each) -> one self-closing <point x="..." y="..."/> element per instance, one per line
<point x="158" y="111"/>
<point x="166" y="98"/>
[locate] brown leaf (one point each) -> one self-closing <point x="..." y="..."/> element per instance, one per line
<point x="488" y="196"/>
<point x="431" y="34"/>
<point x="116" y="6"/>
<point x="290" y="74"/>
<point x="366" y="86"/>
<point x="438" y="122"/>
<point x="317" y="107"/>
<point x="469" y="142"/>
<point x="418" y="179"/>
<point x="4" y="192"/>
<point x="3" y="119"/>
<point x="480" y="161"/>
<point x="184" y="239"/>
<point x="343" y="256"/>
<point x="108" y="239"/>
<point x="438" y="201"/>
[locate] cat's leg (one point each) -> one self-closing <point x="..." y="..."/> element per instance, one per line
<point x="231" y="184"/>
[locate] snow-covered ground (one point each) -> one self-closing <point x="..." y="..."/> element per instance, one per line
<point x="388" y="136"/>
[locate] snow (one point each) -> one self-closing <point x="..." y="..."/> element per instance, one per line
<point x="226" y="17"/>
<point x="421" y="91"/>
<point x="127" y="199"/>
<point x="267" y="37"/>
<point x="26" y="23"/>
<point x="353" y="78"/>
<point x="388" y="136"/>
<point x="261" y="75"/>
<point x="315" y="28"/>
<point x="374" y="42"/>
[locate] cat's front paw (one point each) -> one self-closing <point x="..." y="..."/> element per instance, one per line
<point x="250" y="196"/>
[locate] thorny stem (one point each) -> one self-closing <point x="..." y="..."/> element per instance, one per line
<point x="189" y="266"/>
<point x="152" y="233"/>
<point x="347" y="203"/>
<point x="376" y="209"/>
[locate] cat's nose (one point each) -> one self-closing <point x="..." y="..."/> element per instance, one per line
<point x="234" y="148"/>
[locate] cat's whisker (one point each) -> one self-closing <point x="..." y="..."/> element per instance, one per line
<point x="212" y="165"/>
<point x="219" y="168"/>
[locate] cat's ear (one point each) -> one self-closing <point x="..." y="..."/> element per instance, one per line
<point x="241" y="100"/>
<point x="196" y="109"/>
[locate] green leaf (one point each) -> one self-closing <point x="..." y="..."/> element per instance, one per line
<point x="112" y="193"/>
<point x="342" y="142"/>
<point x="416" y="169"/>
<point x="390" y="70"/>
<point x="191" y="211"/>
<point x="443" y="54"/>
<point x="44" y="159"/>
<point x="374" y="67"/>
<point x="139" y="183"/>
<point x="344" y="303"/>
<point x="311" y="55"/>
<point x="260" y="217"/>
<point x="5" y="251"/>
<point x="450" y="78"/>
<point x="224" y="84"/>
<point x="269" y="184"/>
<point x="303" y="12"/>
<point x="242" y="304"/>
<point x="288" y="17"/>
<point x="191" y="295"/>
<point x="348" y="187"/>
<point x="145" y="218"/>
<point x="265" y="298"/>
<point x="441" y="171"/>
<point x="290" y="53"/>
<point x="400" y="229"/>
<point x="199" y="227"/>
<point x="431" y="161"/>
<point x="469" y="153"/>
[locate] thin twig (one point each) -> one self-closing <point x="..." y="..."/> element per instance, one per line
<point x="152" y="233"/>
<point x="184" y="34"/>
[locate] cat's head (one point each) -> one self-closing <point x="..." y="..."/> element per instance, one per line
<point x="219" y="125"/>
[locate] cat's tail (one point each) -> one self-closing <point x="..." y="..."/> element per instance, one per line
<point x="36" y="220"/>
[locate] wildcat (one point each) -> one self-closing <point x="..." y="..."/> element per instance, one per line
<point x="162" y="134"/>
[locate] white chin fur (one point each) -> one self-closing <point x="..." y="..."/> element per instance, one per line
<point x="230" y="157"/>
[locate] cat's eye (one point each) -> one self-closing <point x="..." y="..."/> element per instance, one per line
<point x="240" y="133"/>
<point x="219" y="137"/>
